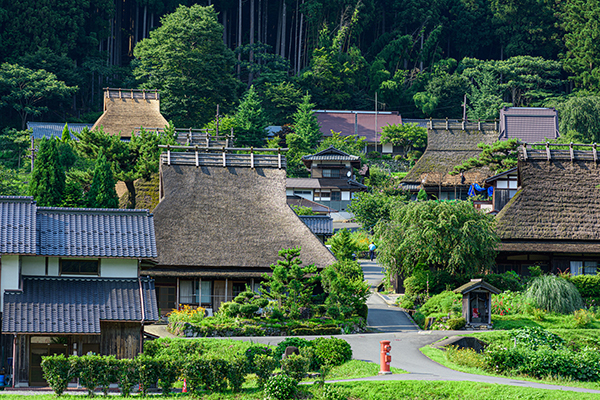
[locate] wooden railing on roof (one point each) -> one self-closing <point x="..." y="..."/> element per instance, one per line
<point x="196" y="137"/>
<point x="200" y="156"/>
<point x="572" y="152"/>
<point x="465" y="125"/>
<point x="119" y="93"/>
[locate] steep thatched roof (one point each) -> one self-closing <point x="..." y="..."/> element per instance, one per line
<point x="230" y="218"/>
<point x="558" y="206"/>
<point x="127" y="109"/>
<point x="445" y="150"/>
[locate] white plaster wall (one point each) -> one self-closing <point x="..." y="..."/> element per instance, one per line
<point x="289" y="192"/>
<point x="53" y="268"/>
<point x="9" y="275"/>
<point x="388" y="148"/>
<point x="118" y="268"/>
<point x="33" y="266"/>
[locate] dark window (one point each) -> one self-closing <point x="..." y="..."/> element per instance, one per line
<point x="336" y="196"/>
<point x="237" y="288"/>
<point x="79" y="267"/>
<point x="331" y="173"/>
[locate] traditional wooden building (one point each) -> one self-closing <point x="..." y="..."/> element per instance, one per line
<point x="332" y="181"/>
<point x="126" y="110"/>
<point x="528" y="124"/>
<point x="220" y="223"/>
<point x="554" y="218"/>
<point x="450" y="144"/>
<point x="477" y="302"/>
<point x="70" y="283"/>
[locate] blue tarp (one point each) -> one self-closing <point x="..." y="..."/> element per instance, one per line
<point x="474" y="188"/>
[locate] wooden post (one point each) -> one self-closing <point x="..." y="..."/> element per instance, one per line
<point x="226" y="281"/>
<point x="463" y="125"/>
<point x="548" y="150"/>
<point x="479" y="125"/>
<point x="571" y="151"/>
<point x="224" y="159"/>
<point x="595" y="153"/>
<point x="200" y="291"/>
<point x="177" y="296"/>
<point x="447" y="127"/>
<point x="525" y="151"/>
<point x="252" y="157"/>
<point x="197" y="161"/>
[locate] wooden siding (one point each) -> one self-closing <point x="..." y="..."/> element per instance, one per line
<point x="121" y="339"/>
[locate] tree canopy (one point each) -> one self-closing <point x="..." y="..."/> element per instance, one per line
<point x="48" y="177"/>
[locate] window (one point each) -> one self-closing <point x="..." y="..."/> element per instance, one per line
<point x="302" y="192"/>
<point x="79" y="267"/>
<point x="206" y="292"/>
<point x="590" y="267"/>
<point x="336" y="196"/>
<point x="331" y="173"/>
<point x="188" y="292"/>
<point x="237" y="288"/>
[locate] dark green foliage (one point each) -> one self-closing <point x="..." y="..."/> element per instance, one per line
<point x="169" y="370"/>
<point x="499" y="157"/>
<point x="48" y="178"/>
<point x="57" y="372"/>
<point x="149" y="371"/>
<point x="304" y="138"/>
<point x="422" y="195"/>
<point x="264" y="366"/>
<point x="102" y="193"/>
<point x="509" y="280"/>
<point x="370" y="208"/>
<point x="290" y="341"/>
<point x="206" y="372"/>
<point x="409" y="136"/>
<point x="347" y="292"/>
<point x="296" y="366"/>
<point x="342" y="245"/>
<point x="281" y="387"/>
<point x="455" y="324"/>
<point x="250" y="121"/>
<point x="535" y="337"/>
<point x="236" y="372"/>
<point x="554" y="294"/>
<point x="73" y="195"/>
<point x="109" y="370"/>
<point x="252" y="352"/>
<point x="88" y="369"/>
<point x="587" y="285"/>
<point x="174" y="348"/>
<point x="13" y="144"/>
<point x="579" y="119"/>
<point x="127" y="376"/>
<point x="331" y="351"/>
<point x="445" y="302"/>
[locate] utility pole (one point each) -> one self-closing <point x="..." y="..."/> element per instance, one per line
<point x="465" y="108"/>
<point x="218" y="117"/>
<point x="33" y="151"/>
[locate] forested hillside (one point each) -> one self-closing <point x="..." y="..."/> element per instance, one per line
<point x="420" y="57"/>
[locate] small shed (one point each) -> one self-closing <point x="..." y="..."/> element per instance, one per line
<point x="477" y="302"/>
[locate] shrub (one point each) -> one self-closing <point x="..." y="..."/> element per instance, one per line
<point x="187" y="314"/>
<point x="264" y="366"/>
<point x="587" y="285"/>
<point x="536" y="337"/>
<point x="88" y="369"/>
<point x="509" y="280"/>
<point x="408" y="302"/>
<point x="281" y="387"/>
<point x="148" y="369"/>
<point x="331" y="393"/>
<point x="510" y="303"/>
<point x="169" y="371"/>
<point x="554" y="294"/>
<point x="127" y="375"/>
<point x="205" y="371"/>
<point x="291" y="341"/>
<point x="252" y="352"/>
<point x="57" y="372"/>
<point x="331" y="351"/>
<point x="176" y="348"/>
<point x="296" y="366"/>
<point x="109" y="369"/>
<point x="455" y="324"/>
<point x="445" y="302"/>
<point x="236" y="372"/>
<point x="249" y="310"/>
<point x="582" y="318"/>
<point x="466" y="357"/>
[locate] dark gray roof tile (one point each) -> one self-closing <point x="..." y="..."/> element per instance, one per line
<point x="17" y="225"/>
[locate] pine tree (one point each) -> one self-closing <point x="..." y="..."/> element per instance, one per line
<point x="73" y="195"/>
<point x="102" y="192"/>
<point x="66" y="134"/>
<point x="48" y="178"/>
<point x="250" y="120"/>
<point x="306" y="124"/>
<point x="422" y="195"/>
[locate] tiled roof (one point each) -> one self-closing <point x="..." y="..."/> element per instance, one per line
<point x="17" y="225"/>
<point x="74" y="232"/>
<point x="331" y="154"/>
<point x="54" y="129"/>
<point x="294" y="200"/>
<point x="361" y="123"/>
<point x="76" y="305"/>
<point x="528" y="124"/>
<point x="318" y="224"/>
<point x="95" y="233"/>
<point x="323" y="183"/>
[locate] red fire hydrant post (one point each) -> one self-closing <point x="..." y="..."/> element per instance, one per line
<point x="386" y="357"/>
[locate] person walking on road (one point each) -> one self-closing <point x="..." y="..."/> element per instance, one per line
<point x="372" y="248"/>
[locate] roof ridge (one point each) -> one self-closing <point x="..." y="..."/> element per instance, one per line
<point x="15" y="199"/>
<point x="98" y="211"/>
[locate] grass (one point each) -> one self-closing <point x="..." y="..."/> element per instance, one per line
<point x="550" y="321"/>
<point x="355" y="369"/>
<point x="438" y="356"/>
<point x="386" y="390"/>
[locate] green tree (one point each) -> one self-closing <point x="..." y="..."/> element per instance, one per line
<point x="342" y="245"/>
<point x="47" y="182"/>
<point x="370" y="208"/>
<point x="409" y="136"/>
<point x="26" y="91"/>
<point x="290" y="284"/>
<point x="10" y="184"/>
<point x="345" y="286"/>
<point x="579" y="119"/>
<point x="422" y="195"/>
<point x="281" y="102"/>
<point x="250" y="121"/>
<point x="13" y="144"/>
<point x="499" y="156"/>
<point x="351" y="144"/>
<point x="73" y="195"/>
<point x="186" y="59"/>
<point x="301" y="210"/>
<point x="304" y="139"/>
<point x="444" y="235"/>
<point x="102" y="193"/>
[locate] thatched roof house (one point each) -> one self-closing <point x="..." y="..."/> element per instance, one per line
<point x="447" y="148"/>
<point x="219" y="228"/>
<point x="128" y="109"/>
<point x="554" y="219"/>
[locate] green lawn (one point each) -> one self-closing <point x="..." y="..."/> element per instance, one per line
<point x="550" y="321"/>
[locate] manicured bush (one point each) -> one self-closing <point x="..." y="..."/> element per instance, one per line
<point x="291" y="341"/>
<point x="587" y="285"/>
<point x="236" y="372"/>
<point x="445" y="302"/>
<point x="88" y="369"/>
<point x="169" y="370"/>
<point x="249" y="310"/>
<point x="127" y="375"/>
<point x="554" y="294"/>
<point x="280" y="387"/>
<point x="206" y="372"/>
<point x="455" y="324"/>
<point x="296" y="366"/>
<point x="148" y="369"/>
<point x="176" y="348"/>
<point x="57" y="372"/>
<point x="264" y="366"/>
<point x="331" y="351"/>
<point x="109" y="369"/>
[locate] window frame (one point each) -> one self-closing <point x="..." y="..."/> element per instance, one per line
<point x="61" y="272"/>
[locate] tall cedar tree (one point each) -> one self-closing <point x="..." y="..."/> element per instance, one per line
<point x="48" y="178"/>
<point x="250" y="121"/>
<point x="342" y="245"/>
<point x="102" y="193"/>
<point x="306" y="137"/>
<point x="291" y="284"/>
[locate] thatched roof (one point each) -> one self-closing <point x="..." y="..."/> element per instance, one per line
<point x="558" y="206"/>
<point x="445" y="150"/>
<point x="127" y="109"/>
<point x="229" y="218"/>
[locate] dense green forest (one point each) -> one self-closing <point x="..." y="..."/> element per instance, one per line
<point x="270" y="61"/>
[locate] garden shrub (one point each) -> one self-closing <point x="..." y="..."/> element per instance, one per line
<point x="252" y="352"/>
<point x="509" y="280"/>
<point x="148" y="370"/>
<point x="57" y="372"/>
<point x="331" y="351"/>
<point x="510" y="303"/>
<point x="309" y="353"/>
<point x="291" y="341"/>
<point x="236" y="372"/>
<point x="296" y="366"/>
<point x="127" y="375"/>
<point x="176" y="348"/>
<point x="408" y="302"/>
<point x="206" y="371"/>
<point x="108" y="373"/>
<point x="331" y="393"/>
<point x="249" y="310"/>
<point x="187" y="314"/>
<point x="88" y="369"/>
<point x="554" y="294"/>
<point x="264" y="366"/>
<point x="587" y="285"/>
<point x="281" y="387"/>
<point x="466" y="357"/>
<point x="169" y="371"/>
<point x="455" y="324"/>
<point x="582" y="318"/>
<point x="445" y="302"/>
<point x="536" y="337"/>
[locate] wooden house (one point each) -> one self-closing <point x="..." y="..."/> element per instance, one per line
<point x="220" y="223"/>
<point x="70" y="283"/>
<point x="553" y="219"/>
<point x="332" y="181"/>
<point x="505" y="186"/>
<point x="449" y="144"/>
<point x="477" y="302"/>
<point x="126" y="110"/>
